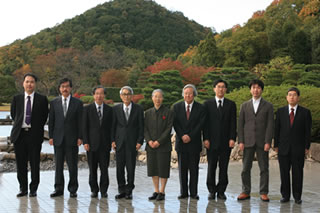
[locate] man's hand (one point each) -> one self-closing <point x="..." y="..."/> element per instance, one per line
<point x="151" y="144"/>
<point x="79" y="142"/>
<point x="206" y="144"/>
<point x="86" y="147"/>
<point x="138" y="146"/>
<point x="276" y="149"/>
<point x="114" y="146"/>
<point x="266" y="147"/>
<point x="231" y="143"/>
<point x="186" y="139"/>
<point x="51" y="141"/>
<point x="241" y="146"/>
<point x="156" y="144"/>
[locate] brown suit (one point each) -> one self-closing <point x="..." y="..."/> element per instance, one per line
<point x="255" y="130"/>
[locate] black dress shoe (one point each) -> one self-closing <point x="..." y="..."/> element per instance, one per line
<point x="22" y="194"/>
<point x="221" y="196"/>
<point x="121" y="195"/>
<point x="105" y="194"/>
<point x="196" y="197"/>
<point x="182" y="196"/>
<point x="298" y="201"/>
<point x="56" y="194"/>
<point x="160" y="196"/>
<point x="284" y="200"/>
<point x="153" y="196"/>
<point x="33" y="194"/>
<point x="129" y="196"/>
<point x="212" y="196"/>
<point x="73" y="195"/>
<point x="94" y="194"/>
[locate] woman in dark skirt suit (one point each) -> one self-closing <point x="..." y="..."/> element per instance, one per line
<point x="157" y="133"/>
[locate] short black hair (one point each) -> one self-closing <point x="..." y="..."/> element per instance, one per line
<point x="256" y="81"/>
<point x="98" y="87"/>
<point x="31" y="75"/>
<point x="64" y="80"/>
<point x="295" y="89"/>
<point x="220" y="81"/>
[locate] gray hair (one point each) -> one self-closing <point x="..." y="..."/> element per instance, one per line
<point x="157" y="90"/>
<point x="127" y="88"/>
<point x="98" y="87"/>
<point x="195" y="93"/>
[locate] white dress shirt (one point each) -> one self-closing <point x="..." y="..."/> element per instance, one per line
<point x="101" y="108"/>
<point x="24" y="125"/>
<point x="295" y="109"/>
<point x="130" y="107"/>
<point x="217" y="101"/>
<point x="68" y="101"/>
<point x="256" y="103"/>
<point x="190" y="106"/>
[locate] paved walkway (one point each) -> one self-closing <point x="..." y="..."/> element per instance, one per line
<point x="84" y="203"/>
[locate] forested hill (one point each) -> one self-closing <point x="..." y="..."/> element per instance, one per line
<point x="120" y="27"/>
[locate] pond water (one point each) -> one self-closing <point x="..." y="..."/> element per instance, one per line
<point x="4" y="114"/>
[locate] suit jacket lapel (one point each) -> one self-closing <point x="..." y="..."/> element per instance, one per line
<point x="123" y="116"/>
<point x="133" y="108"/>
<point x="262" y="102"/>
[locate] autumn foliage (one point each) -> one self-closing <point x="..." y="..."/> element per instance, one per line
<point x="114" y="78"/>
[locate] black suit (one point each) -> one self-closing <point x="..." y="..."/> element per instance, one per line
<point x="28" y="144"/>
<point x="220" y="127"/>
<point x="98" y="135"/>
<point x="65" y="131"/>
<point x="188" y="153"/>
<point x="126" y="136"/>
<point x="292" y="142"/>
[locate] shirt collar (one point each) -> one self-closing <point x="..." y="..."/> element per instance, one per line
<point x="26" y="95"/>
<point x="190" y="105"/>
<point x="97" y="105"/>
<point x="295" y="108"/>
<point x="124" y="106"/>
<point x="68" y="98"/>
<point x="217" y="100"/>
<point x="256" y="101"/>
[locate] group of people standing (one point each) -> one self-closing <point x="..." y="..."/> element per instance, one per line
<point x="124" y="128"/>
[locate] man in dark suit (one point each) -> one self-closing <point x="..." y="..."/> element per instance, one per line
<point x="29" y="112"/>
<point x="65" y="134"/>
<point x="255" y="136"/>
<point x="97" y="123"/>
<point x="292" y="142"/>
<point x="219" y="138"/>
<point x="127" y="138"/>
<point x="188" y="123"/>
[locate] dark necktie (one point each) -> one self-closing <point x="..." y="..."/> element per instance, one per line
<point x="65" y="107"/>
<point x="99" y="114"/>
<point x="291" y="117"/>
<point x="220" y="107"/>
<point x="28" y="111"/>
<point x="188" y="112"/>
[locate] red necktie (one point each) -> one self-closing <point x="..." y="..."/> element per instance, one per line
<point x="188" y="112"/>
<point x="291" y="116"/>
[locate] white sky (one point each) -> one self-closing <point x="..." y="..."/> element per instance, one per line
<point x="21" y="18"/>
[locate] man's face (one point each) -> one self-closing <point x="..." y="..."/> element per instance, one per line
<point x="157" y="99"/>
<point x="220" y="89"/>
<point x="29" y="84"/>
<point x="292" y="98"/>
<point x="256" y="91"/>
<point x="188" y="95"/>
<point x="126" y="96"/>
<point x="99" y="96"/>
<point x="65" y="89"/>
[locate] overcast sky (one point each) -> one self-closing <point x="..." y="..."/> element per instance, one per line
<point x="21" y="18"/>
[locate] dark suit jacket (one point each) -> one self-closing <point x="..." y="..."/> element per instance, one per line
<point x="65" y="128"/>
<point x="129" y="133"/>
<point x="293" y="139"/>
<point x="96" y="135"/>
<point x="158" y="127"/>
<point x="192" y="127"/>
<point x="220" y="129"/>
<point x="255" y="129"/>
<point x="38" y="117"/>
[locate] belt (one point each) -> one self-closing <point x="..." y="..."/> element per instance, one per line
<point x="26" y="129"/>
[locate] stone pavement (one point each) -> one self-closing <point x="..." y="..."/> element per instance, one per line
<point x="84" y="203"/>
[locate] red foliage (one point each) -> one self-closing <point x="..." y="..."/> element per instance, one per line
<point x="258" y="14"/>
<point x="76" y="95"/>
<point x="113" y="78"/>
<point x="236" y="27"/>
<point x="193" y="74"/>
<point x="165" y="64"/>
<point x="108" y="101"/>
<point x="137" y="98"/>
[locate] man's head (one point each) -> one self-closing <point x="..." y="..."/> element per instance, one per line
<point x="189" y="91"/>
<point x="99" y="93"/>
<point x="65" y="86"/>
<point x="157" y="97"/>
<point x="220" y="88"/>
<point x="29" y="83"/>
<point x="293" y="96"/>
<point x="256" y="88"/>
<point x="126" y="93"/>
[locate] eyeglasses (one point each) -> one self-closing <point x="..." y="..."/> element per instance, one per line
<point x="126" y="94"/>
